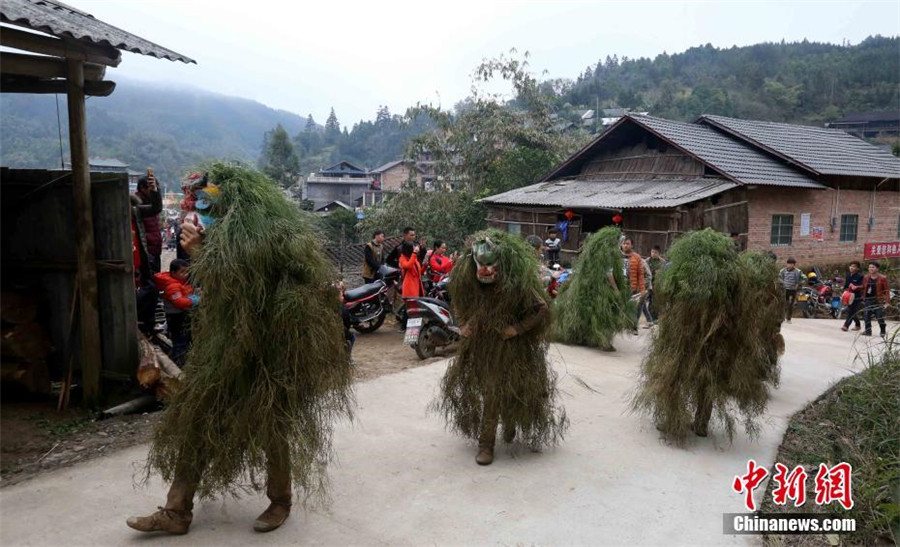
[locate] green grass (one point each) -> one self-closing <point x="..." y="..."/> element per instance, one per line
<point x="856" y="421"/>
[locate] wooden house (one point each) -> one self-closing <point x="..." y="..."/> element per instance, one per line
<point x="816" y="194"/>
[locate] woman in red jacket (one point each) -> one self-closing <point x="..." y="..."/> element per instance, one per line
<point x="439" y="262"/>
<point x="411" y="271"/>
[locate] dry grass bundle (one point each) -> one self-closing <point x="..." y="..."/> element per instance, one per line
<point x="589" y="311"/>
<point x="715" y="352"/>
<point x="515" y="373"/>
<point x="269" y="364"/>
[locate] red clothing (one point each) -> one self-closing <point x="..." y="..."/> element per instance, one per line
<point x="412" y="276"/>
<point x="440" y="266"/>
<point x="176" y="293"/>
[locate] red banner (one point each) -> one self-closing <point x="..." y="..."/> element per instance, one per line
<point x="889" y="249"/>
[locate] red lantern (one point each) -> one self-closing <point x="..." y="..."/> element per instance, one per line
<point x="569" y="214"/>
<point x="617" y="219"/>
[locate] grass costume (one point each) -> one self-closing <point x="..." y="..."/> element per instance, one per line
<point x="717" y="345"/>
<point x="268" y="372"/>
<point x="501" y="374"/>
<point x="595" y="304"/>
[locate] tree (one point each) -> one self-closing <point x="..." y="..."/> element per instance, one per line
<point x="281" y="162"/>
<point x="491" y="143"/>
<point x="332" y="127"/>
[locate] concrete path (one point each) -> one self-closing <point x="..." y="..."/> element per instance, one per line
<point x="402" y="480"/>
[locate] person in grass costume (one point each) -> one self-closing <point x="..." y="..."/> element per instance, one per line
<point x="595" y="304"/>
<point x="501" y="374"/>
<point x="715" y="352"/>
<point x="268" y="372"/>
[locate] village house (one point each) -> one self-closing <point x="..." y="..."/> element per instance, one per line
<point x="112" y="165"/>
<point x="816" y="194"/>
<point x="870" y="125"/>
<point x="342" y="182"/>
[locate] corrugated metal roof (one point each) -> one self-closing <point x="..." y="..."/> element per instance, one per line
<point x="732" y="157"/>
<point x="614" y="194"/>
<point x="823" y="150"/>
<point x="64" y="21"/>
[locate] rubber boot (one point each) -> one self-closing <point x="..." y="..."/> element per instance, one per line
<point x="278" y="489"/>
<point x="176" y="516"/>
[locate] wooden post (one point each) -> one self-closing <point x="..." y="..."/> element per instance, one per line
<point x="84" y="236"/>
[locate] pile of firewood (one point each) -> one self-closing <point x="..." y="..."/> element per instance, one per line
<point x="25" y="345"/>
<point x="156" y="371"/>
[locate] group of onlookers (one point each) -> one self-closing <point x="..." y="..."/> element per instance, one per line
<point x="869" y="293"/>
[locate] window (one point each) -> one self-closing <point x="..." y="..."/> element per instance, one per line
<point x="514" y="228"/>
<point x="849" y="224"/>
<point x="898" y="227"/>
<point x="782" y="230"/>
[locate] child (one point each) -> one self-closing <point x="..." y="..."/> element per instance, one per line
<point x="179" y="297"/>
<point x="553" y="244"/>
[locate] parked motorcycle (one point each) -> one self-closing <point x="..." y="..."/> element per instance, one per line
<point x="429" y="325"/>
<point x="819" y="298"/>
<point x="370" y="304"/>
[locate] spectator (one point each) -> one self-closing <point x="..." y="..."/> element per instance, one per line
<point x="656" y="262"/>
<point x="633" y="269"/>
<point x="645" y="301"/>
<point x="412" y="270"/>
<point x="409" y="235"/>
<point x="151" y="206"/>
<point x="374" y="257"/>
<point x="179" y="298"/>
<point x="553" y="245"/>
<point x="878" y="297"/>
<point x="854" y="284"/>
<point x="791" y="278"/>
<point x="439" y="262"/>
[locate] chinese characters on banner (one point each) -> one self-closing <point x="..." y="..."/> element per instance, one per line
<point x="882" y="250"/>
<point x="832" y="484"/>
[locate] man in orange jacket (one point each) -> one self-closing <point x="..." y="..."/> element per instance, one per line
<point x="633" y="265"/>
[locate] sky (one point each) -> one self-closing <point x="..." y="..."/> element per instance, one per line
<point x="307" y="57"/>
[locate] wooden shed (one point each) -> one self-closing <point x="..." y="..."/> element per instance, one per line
<point x="77" y="249"/>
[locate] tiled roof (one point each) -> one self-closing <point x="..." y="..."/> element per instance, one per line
<point x="615" y="194"/>
<point x="64" y="21"/>
<point x="818" y="149"/>
<point x="735" y="159"/>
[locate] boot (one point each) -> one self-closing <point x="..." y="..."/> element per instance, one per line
<point x="278" y="490"/>
<point x="176" y="516"/>
<point x="485" y="454"/>
<point x="509" y="434"/>
<point x="164" y="520"/>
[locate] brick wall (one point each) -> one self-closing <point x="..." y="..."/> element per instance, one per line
<point x="397" y="177"/>
<point x="768" y="201"/>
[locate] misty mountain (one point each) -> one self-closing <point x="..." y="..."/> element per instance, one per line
<point x="143" y="124"/>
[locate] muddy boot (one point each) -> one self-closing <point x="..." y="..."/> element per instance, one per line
<point x="485" y="454"/>
<point x="176" y="516"/>
<point x="278" y="490"/>
<point x="164" y="520"/>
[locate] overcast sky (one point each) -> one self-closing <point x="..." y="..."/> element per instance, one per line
<point x="307" y="57"/>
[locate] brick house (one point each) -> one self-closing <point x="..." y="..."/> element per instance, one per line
<point x="816" y="194"/>
<point x="396" y="175"/>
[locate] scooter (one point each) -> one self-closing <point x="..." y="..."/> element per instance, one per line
<point x="369" y="305"/>
<point x="429" y="325"/>
<point x="820" y="298"/>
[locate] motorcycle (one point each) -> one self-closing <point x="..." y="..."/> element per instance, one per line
<point x="429" y="325"/>
<point x="369" y="305"/>
<point x="819" y="298"/>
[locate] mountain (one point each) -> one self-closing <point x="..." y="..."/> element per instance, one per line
<point x="143" y="124"/>
<point x="800" y="82"/>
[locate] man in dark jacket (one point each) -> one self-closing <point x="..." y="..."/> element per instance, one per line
<point x="878" y="296"/>
<point x="853" y="283"/>
<point x="151" y="202"/>
<point x="373" y="257"/>
<point x="409" y="234"/>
